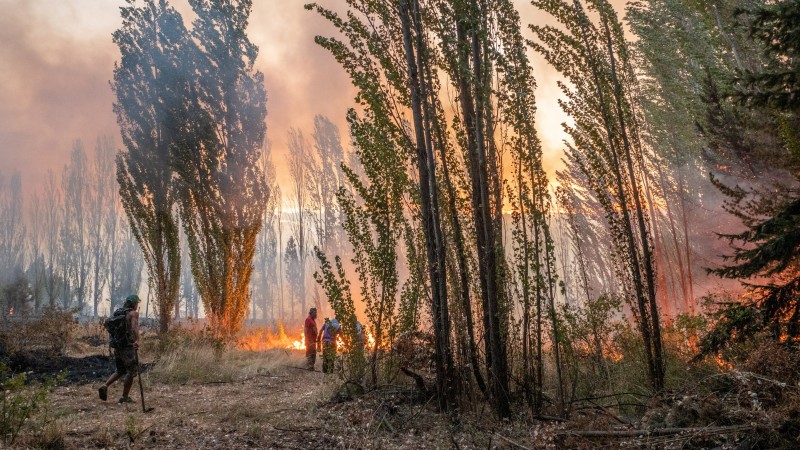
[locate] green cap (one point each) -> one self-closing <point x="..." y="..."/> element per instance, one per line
<point x="132" y="299"/>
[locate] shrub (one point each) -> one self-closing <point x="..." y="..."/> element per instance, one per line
<point x="21" y="401"/>
<point x="53" y="332"/>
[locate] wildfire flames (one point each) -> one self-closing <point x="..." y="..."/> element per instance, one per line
<point x="260" y="339"/>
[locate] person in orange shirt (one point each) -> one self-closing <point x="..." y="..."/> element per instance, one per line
<point x="310" y="333"/>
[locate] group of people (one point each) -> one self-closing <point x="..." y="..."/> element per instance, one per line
<point x="126" y="345"/>
<point x="326" y="336"/>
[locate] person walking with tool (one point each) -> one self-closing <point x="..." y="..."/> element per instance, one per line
<point x="123" y="329"/>
<point x="310" y="333"/>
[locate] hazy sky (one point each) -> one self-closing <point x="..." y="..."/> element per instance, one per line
<point x="56" y="60"/>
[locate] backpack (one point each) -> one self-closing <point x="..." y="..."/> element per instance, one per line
<point x="117" y="327"/>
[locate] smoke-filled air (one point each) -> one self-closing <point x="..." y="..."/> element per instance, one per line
<point x="400" y="224"/>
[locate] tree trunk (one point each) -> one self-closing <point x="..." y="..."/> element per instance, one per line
<point x="470" y="51"/>
<point x="633" y="251"/>
<point x="430" y="214"/>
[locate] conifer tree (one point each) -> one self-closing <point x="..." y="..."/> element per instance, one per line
<point x="770" y="245"/>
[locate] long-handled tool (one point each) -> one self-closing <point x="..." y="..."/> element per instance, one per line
<point x="139" y="375"/>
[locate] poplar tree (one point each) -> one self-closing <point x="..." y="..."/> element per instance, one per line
<point x="382" y="54"/>
<point x="223" y="193"/>
<point x="12" y="226"/>
<point x="76" y="236"/>
<point x="400" y="55"/>
<point x="51" y="223"/>
<point x="151" y="86"/>
<point x="607" y="146"/>
<point x="326" y="177"/>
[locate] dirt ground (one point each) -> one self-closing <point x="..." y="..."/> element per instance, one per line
<point x="272" y="404"/>
<point x="237" y="399"/>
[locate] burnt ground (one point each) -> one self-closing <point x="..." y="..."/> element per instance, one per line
<point x="41" y="364"/>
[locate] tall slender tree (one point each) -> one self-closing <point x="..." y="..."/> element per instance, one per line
<point x="151" y="86"/>
<point x="300" y="165"/>
<point x="75" y="235"/>
<point x="607" y="146"/>
<point x="222" y="189"/>
<point x="99" y="207"/>
<point x="12" y="226"/>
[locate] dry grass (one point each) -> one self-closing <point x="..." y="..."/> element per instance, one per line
<point x="196" y="362"/>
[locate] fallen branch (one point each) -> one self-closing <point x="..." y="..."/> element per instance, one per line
<point x="616" y="394"/>
<point x="418" y="379"/>
<point x="744" y="374"/>
<point x="300" y="368"/>
<point x="296" y="430"/>
<point x="653" y="432"/>
<point x="516" y="444"/>
<point x="550" y="418"/>
<point x="610" y="414"/>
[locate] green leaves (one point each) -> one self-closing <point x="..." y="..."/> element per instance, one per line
<point x="192" y="113"/>
<point x="151" y="84"/>
<point x="21" y="400"/>
<point x="223" y="193"/>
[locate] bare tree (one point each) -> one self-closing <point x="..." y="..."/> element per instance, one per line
<point x="75" y="238"/>
<point x="191" y="298"/>
<point x="266" y="291"/>
<point x="127" y="267"/>
<point x="36" y="268"/>
<point x="325" y="178"/>
<point x="299" y="163"/>
<point x="12" y="226"/>
<point x="100" y="206"/>
<point x="51" y="222"/>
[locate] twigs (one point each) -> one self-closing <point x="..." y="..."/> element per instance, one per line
<point x="610" y="414"/>
<point x="418" y="411"/>
<point x="516" y="444"/>
<point x="295" y="430"/>
<point x="543" y="417"/>
<point x="614" y="394"/>
<point x="653" y="432"/>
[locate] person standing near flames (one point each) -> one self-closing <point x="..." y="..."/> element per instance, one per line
<point x="329" y="331"/>
<point x="310" y="333"/>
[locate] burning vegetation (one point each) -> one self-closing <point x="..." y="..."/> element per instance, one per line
<point x="645" y="293"/>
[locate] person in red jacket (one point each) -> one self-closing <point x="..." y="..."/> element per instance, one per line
<point x="310" y="332"/>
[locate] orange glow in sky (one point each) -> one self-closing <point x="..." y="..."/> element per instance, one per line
<point x="57" y="59"/>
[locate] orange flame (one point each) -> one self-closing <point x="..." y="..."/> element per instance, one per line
<point x="260" y="339"/>
<point x="613" y="354"/>
<point x="722" y="363"/>
<point x="263" y="338"/>
<point x="299" y="344"/>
